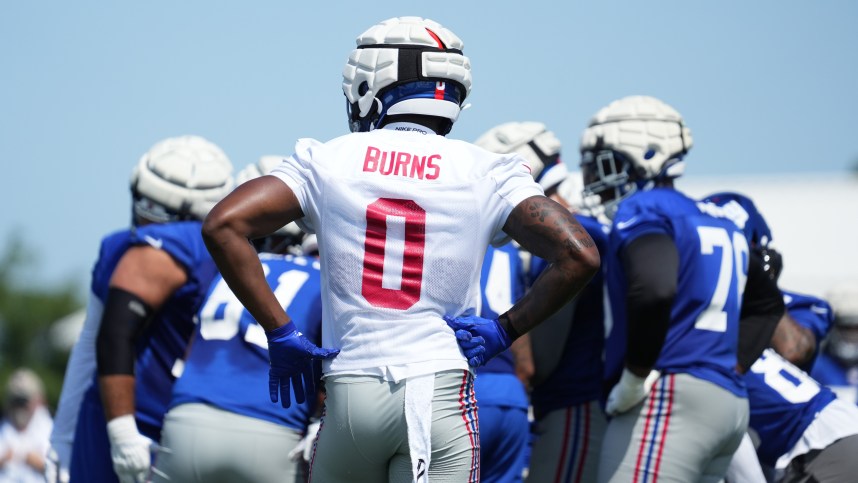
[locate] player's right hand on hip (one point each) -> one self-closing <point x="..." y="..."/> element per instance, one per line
<point x="130" y="451"/>
<point x="480" y="339"/>
<point x="291" y="355"/>
<point x="629" y="391"/>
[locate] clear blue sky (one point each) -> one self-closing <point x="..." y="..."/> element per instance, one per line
<point x="86" y="87"/>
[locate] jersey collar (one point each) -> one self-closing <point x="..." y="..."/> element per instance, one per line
<point x="409" y="127"/>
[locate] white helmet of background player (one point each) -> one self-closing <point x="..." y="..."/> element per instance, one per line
<point x="630" y="145"/>
<point x="405" y="65"/>
<point x="257" y="169"/>
<point x="535" y="143"/>
<point x="290" y="234"/>
<point x="179" y="178"/>
<point x="842" y="343"/>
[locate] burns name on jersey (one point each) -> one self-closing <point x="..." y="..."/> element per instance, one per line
<point x="392" y="163"/>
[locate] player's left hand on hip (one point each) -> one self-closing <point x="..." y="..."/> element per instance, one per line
<point x="480" y="339"/>
<point x="629" y="391"/>
<point x="130" y="451"/>
<point x="291" y="355"/>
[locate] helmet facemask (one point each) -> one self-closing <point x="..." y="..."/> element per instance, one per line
<point x="145" y="210"/>
<point x="608" y="179"/>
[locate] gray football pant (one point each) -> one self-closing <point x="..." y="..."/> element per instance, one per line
<point x="363" y="436"/>
<point x="201" y="443"/>
<point x="836" y="463"/>
<point x="567" y="445"/>
<point x="685" y="431"/>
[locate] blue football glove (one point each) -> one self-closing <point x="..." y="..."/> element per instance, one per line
<point x="480" y="339"/>
<point x="291" y="355"/>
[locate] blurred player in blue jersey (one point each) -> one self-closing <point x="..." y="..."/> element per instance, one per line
<point x="800" y="429"/>
<point x="796" y="341"/>
<point x="803" y="432"/>
<point x="147" y="285"/>
<point x="221" y="421"/>
<point x="569" y="422"/>
<point x="837" y="365"/>
<point x="677" y="278"/>
<point x="502" y="397"/>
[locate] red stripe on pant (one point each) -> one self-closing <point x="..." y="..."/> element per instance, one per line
<point x="672" y="377"/>
<point x="585" y="441"/>
<point x="564" y="447"/>
<point x="471" y="425"/>
<point x="643" y="445"/>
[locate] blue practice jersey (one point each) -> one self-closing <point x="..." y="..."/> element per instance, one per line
<point x="501" y="285"/>
<point x="227" y="365"/>
<point x="162" y="345"/>
<point x="578" y="375"/>
<point x="784" y="401"/>
<point x="702" y="336"/>
<point x="839" y="378"/>
<point x="159" y="349"/>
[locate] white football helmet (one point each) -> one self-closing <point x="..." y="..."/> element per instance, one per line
<point x="263" y="166"/>
<point x="535" y="143"/>
<point x="291" y="234"/>
<point x="630" y="145"/>
<point x="310" y="245"/>
<point x="179" y="178"/>
<point x="570" y="189"/>
<point x="405" y="65"/>
<point x="842" y="343"/>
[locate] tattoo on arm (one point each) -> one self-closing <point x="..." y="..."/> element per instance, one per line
<point x="548" y="230"/>
<point x="541" y="225"/>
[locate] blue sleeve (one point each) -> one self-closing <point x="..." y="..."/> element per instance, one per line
<point x="182" y="241"/>
<point x="638" y="216"/>
<point x="112" y="249"/>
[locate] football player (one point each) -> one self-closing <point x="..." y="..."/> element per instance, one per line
<point x="807" y="318"/>
<point x="801" y="430"/>
<point x="568" y="347"/>
<point x="676" y="276"/>
<point x="569" y="421"/>
<point x="147" y="285"/>
<point x="220" y="419"/>
<point x="501" y="385"/>
<point x="403" y="217"/>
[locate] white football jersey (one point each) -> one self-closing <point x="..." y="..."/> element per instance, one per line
<point x="403" y="219"/>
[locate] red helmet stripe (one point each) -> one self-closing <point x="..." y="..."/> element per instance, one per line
<point x="437" y="39"/>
